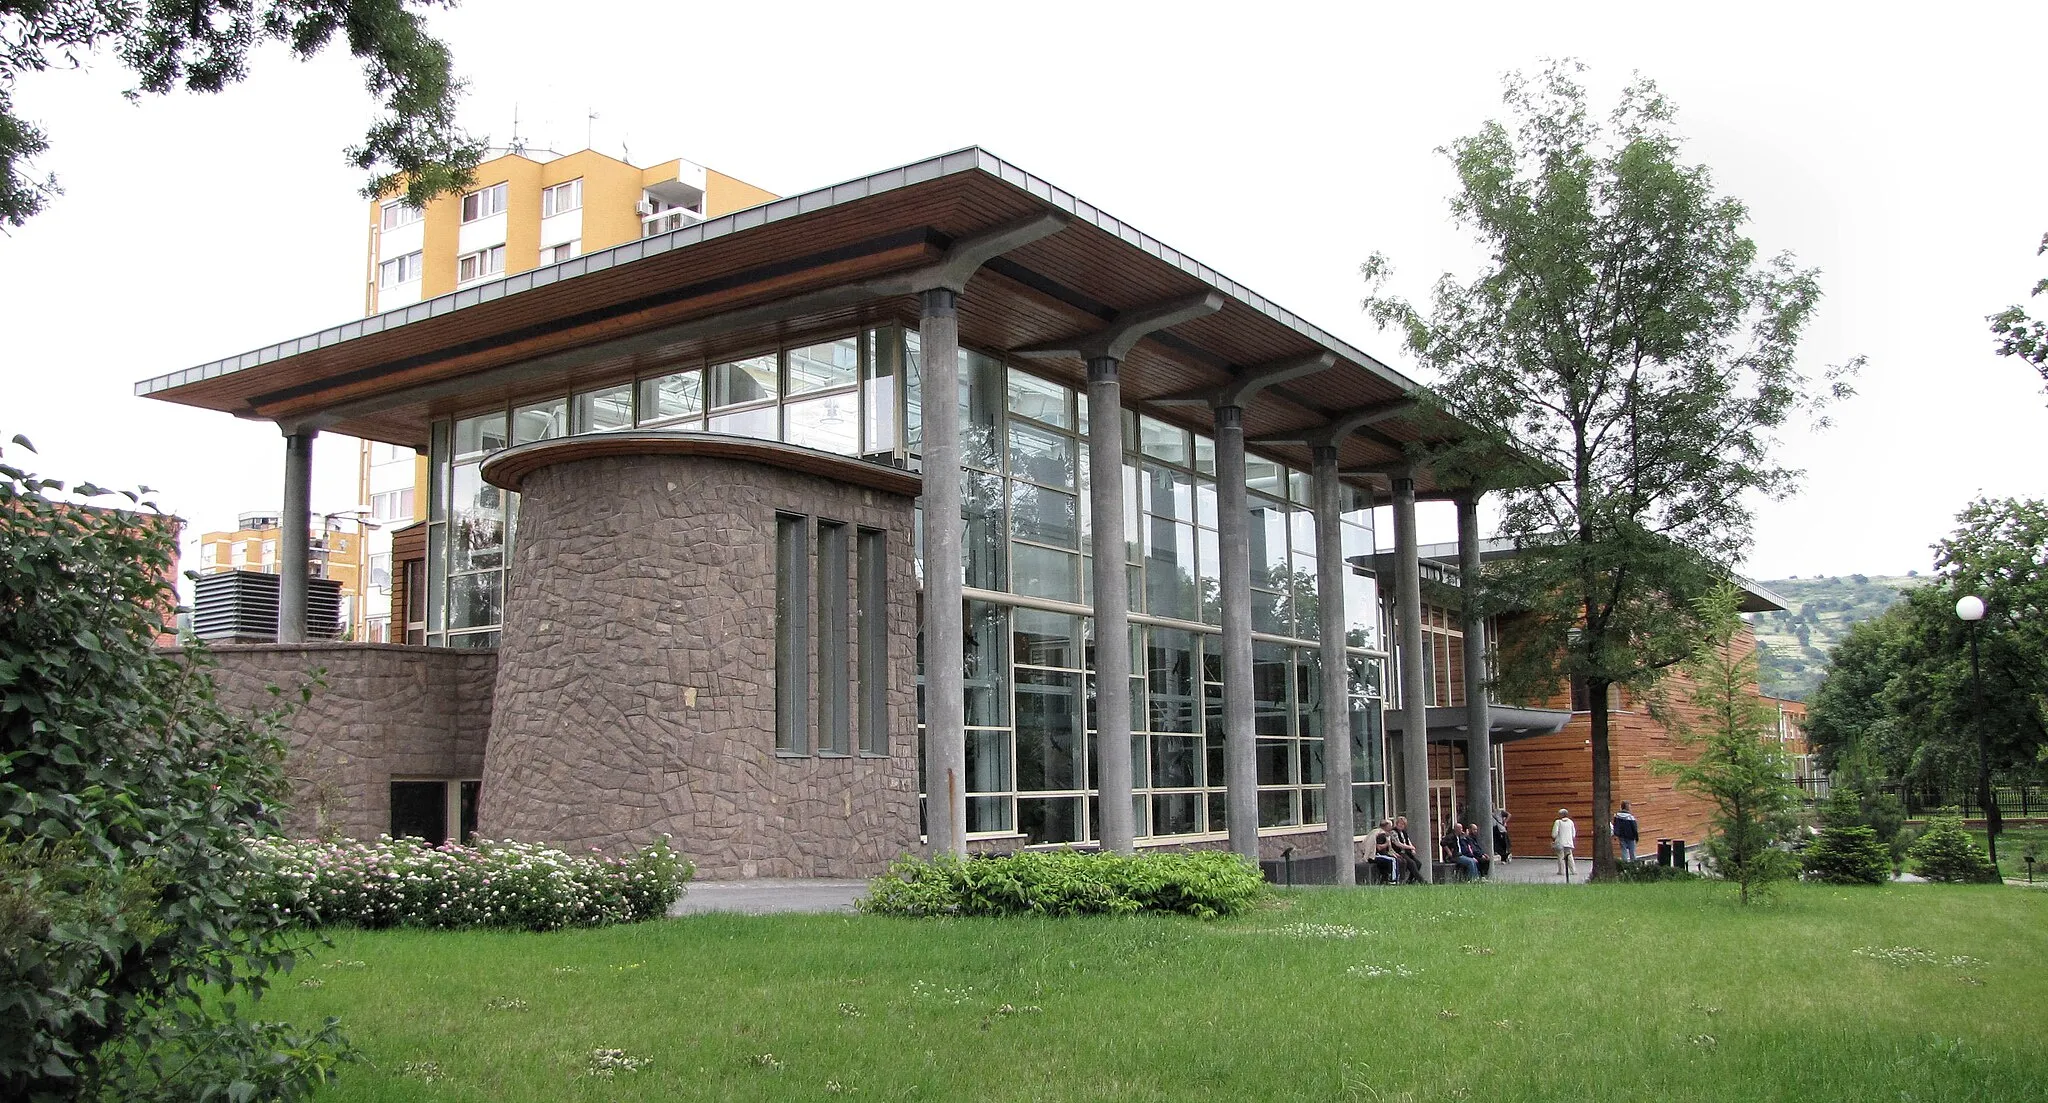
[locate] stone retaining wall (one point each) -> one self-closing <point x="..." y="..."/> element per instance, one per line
<point x="384" y="711"/>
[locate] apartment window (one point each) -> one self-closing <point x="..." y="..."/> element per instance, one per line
<point x="238" y="554"/>
<point x="792" y="633"/>
<point x="400" y="213"/>
<point x="391" y="505"/>
<point x="209" y="554"/>
<point x="871" y="642"/>
<point x="483" y="203"/>
<point x="398" y="270"/>
<point x="380" y="571"/>
<point x="555" y="254"/>
<point x="834" y="667"/>
<point x="481" y="264"/>
<point x="269" y="552"/>
<point x="561" y="198"/>
<point x="381" y="452"/>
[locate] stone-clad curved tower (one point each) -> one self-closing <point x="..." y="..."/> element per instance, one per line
<point x="641" y="687"/>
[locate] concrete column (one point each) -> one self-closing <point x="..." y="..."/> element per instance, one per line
<point x="1478" y="721"/>
<point x="1233" y="539"/>
<point x="945" y="742"/>
<point x="293" y="550"/>
<point x="1414" y="791"/>
<point x="1330" y="582"/>
<point x="1116" y="829"/>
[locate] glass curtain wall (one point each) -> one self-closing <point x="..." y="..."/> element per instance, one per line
<point x="1029" y="652"/>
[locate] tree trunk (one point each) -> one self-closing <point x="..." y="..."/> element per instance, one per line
<point x="1603" y="782"/>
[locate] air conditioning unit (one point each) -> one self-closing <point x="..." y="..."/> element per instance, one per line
<point x="645" y="207"/>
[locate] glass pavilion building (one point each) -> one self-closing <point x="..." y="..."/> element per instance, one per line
<point x="590" y="429"/>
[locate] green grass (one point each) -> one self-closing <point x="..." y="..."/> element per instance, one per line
<point x="2016" y="841"/>
<point x="1666" y="992"/>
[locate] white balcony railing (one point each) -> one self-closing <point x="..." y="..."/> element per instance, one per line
<point x="662" y="222"/>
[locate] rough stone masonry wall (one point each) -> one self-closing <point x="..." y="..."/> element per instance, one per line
<point x="384" y="711"/>
<point x="636" y="679"/>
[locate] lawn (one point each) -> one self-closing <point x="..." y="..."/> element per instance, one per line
<point x="2015" y="841"/>
<point x="1485" y="992"/>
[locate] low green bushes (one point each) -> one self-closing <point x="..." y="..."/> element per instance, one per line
<point x="1848" y="855"/>
<point x="1946" y="852"/>
<point x="1652" y="871"/>
<point x="1204" y="884"/>
<point x="406" y="883"/>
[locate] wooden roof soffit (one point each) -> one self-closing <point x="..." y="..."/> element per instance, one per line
<point x="1340" y="425"/>
<point x="1115" y="340"/>
<point x="966" y="256"/>
<point x="1245" y="385"/>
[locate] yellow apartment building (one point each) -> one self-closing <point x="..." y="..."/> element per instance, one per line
<point x="524" y="210"/>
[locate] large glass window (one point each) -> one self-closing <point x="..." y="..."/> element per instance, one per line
<point x="792" y="633"/>
<point x="825" y="367"/>
<point x="667" y="398"/>
<point x="744" y="381"/>
<point x="602" y="411"/>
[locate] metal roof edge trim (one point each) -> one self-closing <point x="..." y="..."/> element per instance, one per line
<point x="968" y="159"/>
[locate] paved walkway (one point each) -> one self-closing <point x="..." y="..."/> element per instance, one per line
<point x="770" y="896"/>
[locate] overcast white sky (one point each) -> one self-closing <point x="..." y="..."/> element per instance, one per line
<point x="1896" y="149"/>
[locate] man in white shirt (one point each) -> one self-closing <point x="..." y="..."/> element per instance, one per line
<point x="1564" y="838"/>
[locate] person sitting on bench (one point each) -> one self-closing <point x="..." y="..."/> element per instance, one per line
<point x="1469" y="856"/>
<point x="1404" y="850"/>
<point x="1383" y="853"/>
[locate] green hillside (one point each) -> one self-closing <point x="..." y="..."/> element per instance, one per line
<point x="1794" y="645"/>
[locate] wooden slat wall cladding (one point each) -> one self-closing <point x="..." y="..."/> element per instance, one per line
<point x="1556" y="771"/>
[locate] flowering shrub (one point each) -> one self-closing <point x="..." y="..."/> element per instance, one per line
<point x="1203" y="884"/>
<point x="406" y="883"/>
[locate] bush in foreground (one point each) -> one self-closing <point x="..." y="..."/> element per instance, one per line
<point x="1204" y="884"/>
<point x="1946" y="852"/>
<point x="406" y="883"/>
<point x="128" y="956"/>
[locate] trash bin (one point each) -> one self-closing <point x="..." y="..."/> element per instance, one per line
<point x="1678" y="853"/>
<point x="1664" y="853"/>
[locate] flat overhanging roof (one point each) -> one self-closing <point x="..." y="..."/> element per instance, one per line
<point x="807" y="265"/>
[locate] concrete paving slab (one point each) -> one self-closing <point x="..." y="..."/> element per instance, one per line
<point x="770" y="896"/>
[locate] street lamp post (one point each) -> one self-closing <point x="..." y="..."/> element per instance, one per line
<point x="1970" y="609"/>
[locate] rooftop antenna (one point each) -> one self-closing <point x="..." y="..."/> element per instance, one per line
<point x="589" y="128"/>
<point x="518" y="147"/>
<point x="625" y="154"/>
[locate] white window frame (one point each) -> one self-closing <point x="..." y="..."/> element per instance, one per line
<point x="490" y="262"/>
<point x="400" y="270"/>
<point x="398" y="213"/>
<point x="568" y="250"/>
<point x="484" y="202"/>
<point x="561" y="198"/>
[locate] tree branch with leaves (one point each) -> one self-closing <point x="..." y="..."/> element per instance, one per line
<point x="414" y="145"/>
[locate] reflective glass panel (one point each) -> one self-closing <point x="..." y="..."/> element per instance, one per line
<point x="759" y="424"/>
<point x="671" y="396"/>
<point x="1049" y="819"/>
<point x="982" y="389"/>
<point x="478" y="521"/>
<point x="473" y="600"/>
<point x="483" y="434"/>
<point x="603" y="411"/>
<point x="1039" y="400"/>
<point x="1043" y="572"/>
<point x="1049" y="743"/>
<point x="1162" y="441"/>
<point x="1170" y="666"/>
<point x="1048" y="516"/>
<point x="743" y="381"/>
<point x="1170" y="577"/>
<point x="826" y="424"/>
<point x="982" y="543"/>
<point x="823" y="367"/>
<point x="1176" y="814"/>
<point x="1046" y="639"/>
<point x="986" y="669"/>
<point x="1042" y="457"/>
<point x="1169" y="493"/>
<point x="540" y="421"/>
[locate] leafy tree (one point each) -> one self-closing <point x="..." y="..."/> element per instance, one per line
<point x="126" y="797"/>
<point x="1740" y="768"/>
<point x="2022" y="336"/>
<point x="1625" y="331"/>
<point x="203" y="46"/>
<point x="1900" y="700"/>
